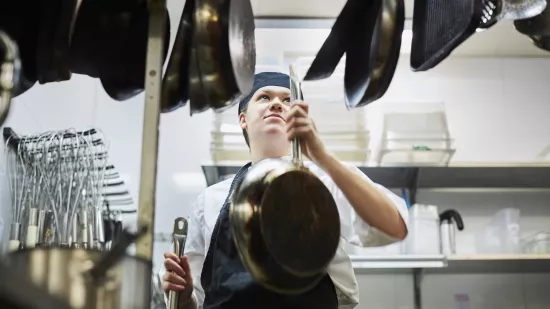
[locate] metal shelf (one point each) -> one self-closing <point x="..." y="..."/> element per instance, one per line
<point x="473" y="264"/>
<point x="529" y="176"/>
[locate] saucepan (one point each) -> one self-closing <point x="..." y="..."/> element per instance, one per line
<point x="88" y="279"/>
<point x="223" y="54"/>
<point x="284" y="221"/>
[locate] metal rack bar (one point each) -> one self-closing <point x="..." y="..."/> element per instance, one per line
<point x="150" y="135"/>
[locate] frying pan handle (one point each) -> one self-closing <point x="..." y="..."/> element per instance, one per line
<point x="295" y="95"/>
<point x="179" y="236"/>
<point x="9" y="73"/>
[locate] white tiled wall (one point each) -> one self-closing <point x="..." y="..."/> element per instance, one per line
<point x="497" y="110"/>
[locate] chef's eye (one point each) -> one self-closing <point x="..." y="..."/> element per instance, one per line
<point x="287" y="100"/>
<point x="263" y="97"/>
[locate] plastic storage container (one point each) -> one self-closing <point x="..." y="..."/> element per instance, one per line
<point x="423" y="238"/>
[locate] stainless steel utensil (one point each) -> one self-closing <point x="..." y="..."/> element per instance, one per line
<point x="179" y="236"/>
<point x="63" y="273"/>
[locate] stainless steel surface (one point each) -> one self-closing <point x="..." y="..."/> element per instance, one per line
<point x="448" y="240"/>
<point x="179" y="237"/>
<point x="64" y="273"/>
<point x="149" y="147"/>
<point x="296" y="95"/>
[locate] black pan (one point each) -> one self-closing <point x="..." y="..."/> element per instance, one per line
<point x="335" y="45"/>
<point x="21" y="24"/>
<point x="110" y="42"/>
<point x="440" y="26"/>
<point x="360" y="52"/>
<point x="385" y="50"/>
<point x="56" y="17"/>
<point x="223" y="37"/>
<point x="542" y="42"/>
<point x="537" y="26"/>
<point x="175" y="84"/>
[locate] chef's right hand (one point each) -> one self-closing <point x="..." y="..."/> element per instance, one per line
<point x="177" y="276"/>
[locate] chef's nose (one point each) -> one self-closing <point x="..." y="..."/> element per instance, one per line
<point x="276" y="106"/>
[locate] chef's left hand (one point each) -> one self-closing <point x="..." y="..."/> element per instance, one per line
<point x="298" y="123"/>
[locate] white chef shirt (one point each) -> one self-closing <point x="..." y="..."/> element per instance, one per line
<point x="354" y="230"/>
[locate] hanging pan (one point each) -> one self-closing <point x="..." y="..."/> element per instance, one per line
<point x="175" y="83"/>
<point x="375" y="54"/>
<point x="224" y="53"/>
<point x="536" y="26"/>
<point x="284" y="221"/>
<point x="440" y="26"/>
<point x="109" y="42"/>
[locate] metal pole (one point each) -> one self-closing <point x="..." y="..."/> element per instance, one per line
<point x="149" y="146"/>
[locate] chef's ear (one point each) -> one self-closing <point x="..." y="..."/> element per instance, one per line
<point x="242" y="121"/>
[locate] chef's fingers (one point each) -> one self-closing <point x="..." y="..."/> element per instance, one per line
<point x="295" y="111"/>
<point x="303" y="105"/>
<point x="174" y="279"/>
<point x="171" y="265"/>
<point x="167" y="287"/>
<point x="297" y="122"/>
<point x="186" y="268"/>
<point x="171" y="256"/>
<point x="299" y="131"/>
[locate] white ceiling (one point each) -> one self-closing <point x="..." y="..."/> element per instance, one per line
<point x="500" y="41"/>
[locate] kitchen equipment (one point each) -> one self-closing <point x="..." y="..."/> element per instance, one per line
<point x="175" y="83"/>
<point x="9" y="73"/>
<point x="542" y="42"/>
<point x="447" y="220"/>
<point x="521" y="9"/>
<point x="88" y="279"/>
<point x="334" y="47"/>
<point x="440" y="26"/>
<point x="179" y="236"/>
<point x="535" y="26"/>
<point x="424" y="237"/>
<point x="385" y="48"/>
<point x="21" y="25"/>
<point x="54" y="37"/>
<point x="537" y="244"/>
<point x="109" y="42"/>
<point x="508" y="228"/>
<point x="15" y="290"/>
<point x="284" y="221"/>
<point x="224" y="53"/>
<point x="361" y="53"/>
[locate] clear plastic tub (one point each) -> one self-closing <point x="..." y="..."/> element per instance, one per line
<point x="423" y="238"/>
<point x="507" y="223"/>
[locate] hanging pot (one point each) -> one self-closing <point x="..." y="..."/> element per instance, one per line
<point x="223" y="54"/>
<point x="285" y="222"/>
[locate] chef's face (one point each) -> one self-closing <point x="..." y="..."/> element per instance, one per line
<point x="265" y="114"/>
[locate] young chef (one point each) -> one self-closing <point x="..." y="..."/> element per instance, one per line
<point x="211" y="275"/>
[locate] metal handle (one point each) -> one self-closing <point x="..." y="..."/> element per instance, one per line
<point x="9" y="73"/>
<point x="179" y="236"/>
<point x="295" y="95"/>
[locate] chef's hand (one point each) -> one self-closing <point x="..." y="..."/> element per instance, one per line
<point x="298" y="123"/>
<point x="177" y="276"/>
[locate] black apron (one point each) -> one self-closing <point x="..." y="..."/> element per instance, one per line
<point x="228" y="285"/>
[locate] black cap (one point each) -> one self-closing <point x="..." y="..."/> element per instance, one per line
<point x="265" y="79"/>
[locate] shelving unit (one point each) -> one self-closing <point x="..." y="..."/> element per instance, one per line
<point x="460" y="264"/>
<point x="500" y="176"/>
<point x="487" y="176"/>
